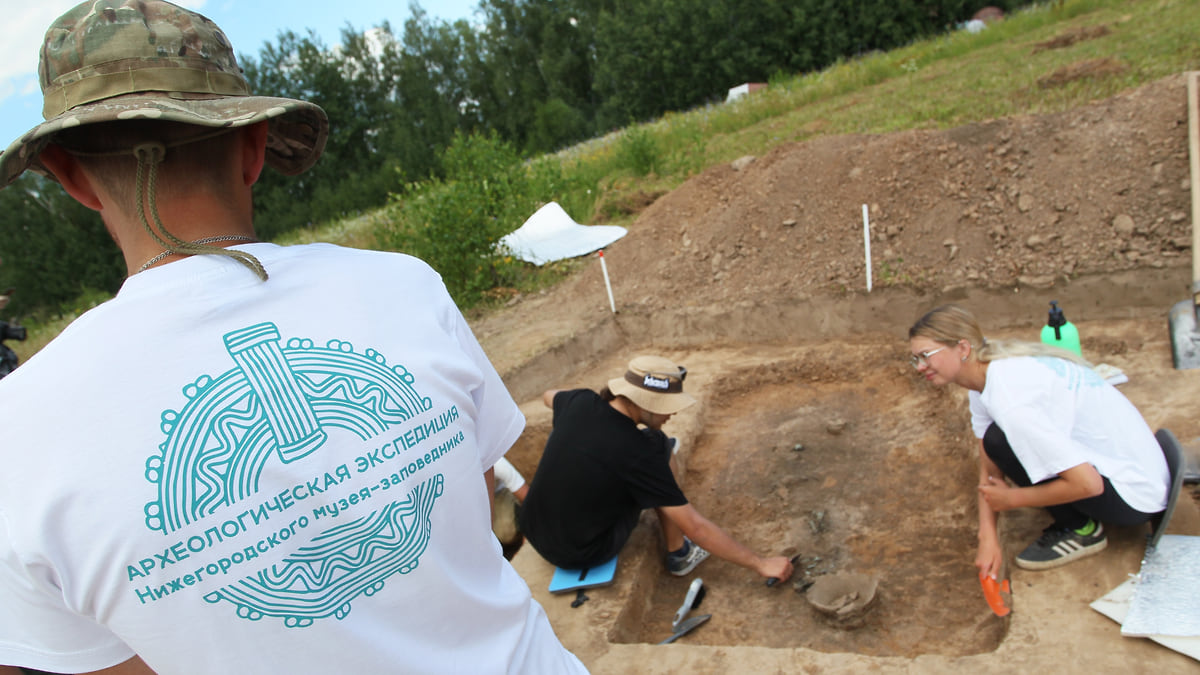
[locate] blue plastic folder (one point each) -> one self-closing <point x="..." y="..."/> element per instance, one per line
<point x="588" y="577"/>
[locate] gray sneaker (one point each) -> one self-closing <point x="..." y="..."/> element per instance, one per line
<point x="1059" y="546"/>
<point x="680" y="564"/>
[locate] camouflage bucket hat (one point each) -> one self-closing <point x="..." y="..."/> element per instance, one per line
<point x="109" y="60"/>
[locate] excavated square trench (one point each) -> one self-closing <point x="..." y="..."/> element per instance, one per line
<point x="839" y="455"/>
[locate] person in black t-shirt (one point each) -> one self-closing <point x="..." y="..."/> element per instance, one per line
<point x="606" y="460"/>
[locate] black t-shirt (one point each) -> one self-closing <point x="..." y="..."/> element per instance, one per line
<point x="598" y="471"/>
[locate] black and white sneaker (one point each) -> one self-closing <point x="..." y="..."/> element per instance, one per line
<point x="1059" y="546"/>
<point x="682" y="563"/>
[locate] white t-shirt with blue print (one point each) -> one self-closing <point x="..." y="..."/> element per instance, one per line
<point x="1058" y="415"/>
<point x="224" y="475"/>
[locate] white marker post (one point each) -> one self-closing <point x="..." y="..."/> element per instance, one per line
<point x="607" y="285"/>
<point x="867" y="244"/>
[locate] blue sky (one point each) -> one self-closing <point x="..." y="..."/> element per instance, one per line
<point x="248" y="24"/>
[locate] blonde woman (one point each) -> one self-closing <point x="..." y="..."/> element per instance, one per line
<point x="1065" y="439"/>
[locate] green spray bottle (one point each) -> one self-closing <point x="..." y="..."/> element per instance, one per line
<point x="1060" y="332"/>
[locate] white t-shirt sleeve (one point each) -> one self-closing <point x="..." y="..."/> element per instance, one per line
<point x="980" y="419"/>
<point x="36" y="631"/>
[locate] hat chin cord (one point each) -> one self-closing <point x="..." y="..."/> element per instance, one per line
<point x="151" y="155"/>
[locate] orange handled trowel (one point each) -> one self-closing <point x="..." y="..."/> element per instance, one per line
<point x="997" y="594"/>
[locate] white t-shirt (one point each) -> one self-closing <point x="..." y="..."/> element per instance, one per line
<point x="223" y="475"/>
<point x="1058" y="415"/>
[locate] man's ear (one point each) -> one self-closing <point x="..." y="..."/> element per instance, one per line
<point x="71" y="176"/>
<point x="254" y="151"/>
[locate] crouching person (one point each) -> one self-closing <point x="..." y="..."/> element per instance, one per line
<point x="606" y="460"/>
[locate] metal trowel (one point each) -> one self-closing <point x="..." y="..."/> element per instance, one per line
<point x="681" y="625"/>
<point x="692" y="600"/>
<point x="686" y="627"/>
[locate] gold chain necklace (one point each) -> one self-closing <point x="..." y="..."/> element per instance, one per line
<point x="207" y="240"/>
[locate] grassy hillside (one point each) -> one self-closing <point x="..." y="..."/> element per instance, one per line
<point x="1050" y="58"/>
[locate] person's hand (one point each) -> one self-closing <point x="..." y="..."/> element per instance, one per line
<point x="778" y="567"/>
<point x="988" y="559"/>
<point x="998" y="494"/>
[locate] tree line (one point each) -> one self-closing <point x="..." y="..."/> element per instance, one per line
<point x="537" y="75"/>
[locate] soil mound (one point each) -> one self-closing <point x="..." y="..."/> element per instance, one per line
<point x="756" y="253"/>
<point x="1025" y="201"/>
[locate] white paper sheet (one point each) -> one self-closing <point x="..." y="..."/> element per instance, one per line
<point x="550" y="234"/>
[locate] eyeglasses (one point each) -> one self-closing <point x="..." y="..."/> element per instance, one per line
<point x="918" y="360"/>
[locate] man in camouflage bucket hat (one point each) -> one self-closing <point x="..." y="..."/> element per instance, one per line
<point x="216" y="473"/>
<point x="107" y="61"/>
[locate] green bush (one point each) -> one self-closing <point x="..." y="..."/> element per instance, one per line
<point x="53" y="248"/>
<point x="638" y="151"/>
<point x="455" y="223"/>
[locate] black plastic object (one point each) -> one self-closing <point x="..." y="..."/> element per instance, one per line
<point x="8" y="358"/>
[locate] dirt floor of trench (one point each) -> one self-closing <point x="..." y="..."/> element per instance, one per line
<point x="810" y="457"/>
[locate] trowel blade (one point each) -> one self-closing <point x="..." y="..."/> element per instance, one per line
<point x="686" y="627"/>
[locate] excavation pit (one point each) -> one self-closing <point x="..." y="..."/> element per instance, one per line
<point x="835" y="453"/>
<point x="840" y="458"/>
<point x="856" y="467"/>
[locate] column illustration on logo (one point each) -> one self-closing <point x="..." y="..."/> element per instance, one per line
<point x="277" y="406"/>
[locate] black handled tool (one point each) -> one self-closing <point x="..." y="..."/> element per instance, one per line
<point x="774" y="580"/>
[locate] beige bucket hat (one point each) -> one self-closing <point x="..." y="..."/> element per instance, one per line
<point x="655" y="384"/>
<point x="108" y="60"/>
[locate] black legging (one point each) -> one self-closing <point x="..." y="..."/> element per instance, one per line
<point x="1107" y="506"/>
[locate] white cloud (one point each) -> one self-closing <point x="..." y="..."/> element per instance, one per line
<point x="21" y="34"/>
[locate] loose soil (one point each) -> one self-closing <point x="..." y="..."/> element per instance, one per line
<point x="812" y="437"/>
<point x="811" y="456"/>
